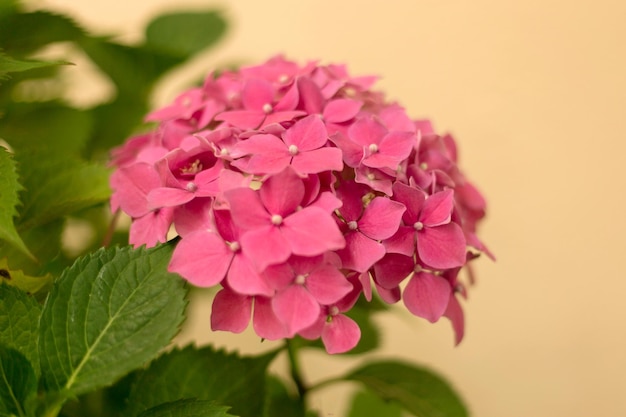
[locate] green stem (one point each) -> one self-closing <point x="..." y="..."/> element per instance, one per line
<point x="296" y="375"/>
<point x="53" y="409"/>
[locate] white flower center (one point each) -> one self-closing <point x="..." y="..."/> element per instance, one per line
<point x="267" y="108"/>
<point x="418" y="268"/>
<point x="186" y="102"/>
<point x="191" y="187"/>
<point x="424" y="166"/>
<point x="300" y="279"/>
<point x="371" y="176"/>
<point x="333" y="311"/>
<point x="293" y="149"/>
<point x="234" y="246"/>
<point x="283" y="78"/>
<point x="352" y="225"/>
<point x="418" y="226"/>
<point x="277" y="219"/>
<point x="223" y="151"/>
<point x="373" y="148"/>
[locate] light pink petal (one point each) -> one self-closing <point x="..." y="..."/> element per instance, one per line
<point x="454" y="313"/>
<point x="290" y="100"/>
<point x="246" y="208"/>
<point x="315" y="330"/>
<point x="318" y="160"/>
<point x="395" y="118"/>
<point x="391" y="270"/>
<point x="327" y="284"/>
<point x="193" y="216"/>
<point x="168" y="197"/>
<point x="265" y="322"/>
<point x="279" y="276"/>
<point x="367" y="131"/>
<point x="243" y="119"/>
<point x="282" y="193"/>
<point x="381" y="218"/>
<point x="307" y="134"/>
<point x="296" y="308"/>
<point x="375" y="178"/>
<point x="366" y="283"/>
<point x="398" y="144"/>
<point x="438" y="208"/>
<point x="442" y="247"/>
<point x="261" y="143"/>
<point x="256" y="93"/>
<point x="341" y="334"/>
<point x="402" y="242"/>
<point x="202" y="258"/>
<point x="151" y="228"/>
<point x="265" y="246"/>
<point x="132" y="185"/>
<point x="360" y="252"/>
<point x="327" y="202"/>
<point x="268" y="154"/>
<point x="341" y="110"/>
<point x="243" y="278"/>
<point x="231" y="311"/>
<point x="427" y="295"/>
<point x="311" y="231"/>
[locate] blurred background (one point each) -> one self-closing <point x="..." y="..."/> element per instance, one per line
<point x="535" y="93"/>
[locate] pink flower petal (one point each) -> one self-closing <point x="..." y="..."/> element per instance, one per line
<point x="311" y="231"/>
<point x="402" y="242"/>
<point x="265" y="246"/>
<point x="318" y="160"/>
<point x="151" y="228"/>
<point x="427" y="296"/>
<point x="282" y="193"/>
<point x="132" y="185"/>
<point x="168" y="197"/>
<point x="243" y="119"/>
<point x="310" y="95"/>
<point x="202" y="258"/>
<point x="454" y="313"/>
<point x="412" y="198"/>
<point x="360" y="252"/>
<point x="381" y="218"/>
<point x="307" y="134"/>
<point x="265" y="322"/>
<point x="391" y="270"/>
<point x="256" y="93"/>
<point x="438" y="208"/>
<point x="243" y="278"/>
<point x="442" y="247"/>
<point x="367" y="131"/>
<point x="341" y="110"/>
<point x="341" y="334"/>
<point x="231" y="311"/>
<point x="246" y="208"/>
<point x="327" y="284"/>
<point x="296" y="308"/>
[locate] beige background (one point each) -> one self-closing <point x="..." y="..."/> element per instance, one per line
<point x="535" y="92"/>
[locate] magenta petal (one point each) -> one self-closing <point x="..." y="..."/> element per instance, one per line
<point x="352" y="152"/>
<point x="290" y="100"/>
<point x="442" y="247"/>
<point x="360" y="252"/>
<point x="391" y="270"/>
<point x="402" y="242"/>
<point x="327" y="284"/>
<point x="454" y="313"/>
<point x="168" y="197"/>
<point x="310" y="95"/>
<point x="307" y="134"/>
<point x="367" y="131"/>
<point x="398" y="144"/>
<point x="265" y="246"/>
<point x="202" y="258"/>
<point x="151" y="228"/>
<point x="390" y="296"/>
<point x="259" y="144"/>
<point x="311" y="231"/>
<point x="296" y="308"/>
<point x="282" y="193"/>
<point x="341" y="110"/>
<point x="381" y="218"/>
<point x="243" y="279"/>
<point x="340" y="334"/>
<point x="132" y="184"/>
<point x="243" y="119"/>
<point x="438" y="208"/>
<point x="246" y="208"/>
<point x="412" y="198"/>
<point x="256" y="93"/>
<point x="427" y="295"/>
<point x="231" y="311"/>
<point x="318" y="160"/>
<point x="265" y="322"/>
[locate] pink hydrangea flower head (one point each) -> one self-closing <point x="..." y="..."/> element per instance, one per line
<point x="298" y="189"/>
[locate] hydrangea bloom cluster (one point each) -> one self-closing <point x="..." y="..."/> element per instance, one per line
<point x="297" y="189"/>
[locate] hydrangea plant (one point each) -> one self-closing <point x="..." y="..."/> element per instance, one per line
<point x="297" y="191"/>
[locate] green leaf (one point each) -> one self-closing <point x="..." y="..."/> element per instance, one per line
<point x="19" y="322"/>
<point x="185" y="34"/>
<point x="205" y="374"/>
<point x="187" y="408"/>
<point x="279" y="402"/>
<point x="57" y="184"/>
<point x="114" y="122"/>
<point x="108" y="314"/>
<point x="17" y="381"/>
<point x="8" y="65"/>
<point x="24" y="33"/>
<point x="418" y="390"/>
<point x="26" y="283"/>
<point x="9" y="187"/>
<point x="49" y="125"/>
<point x="366" y="404"/>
